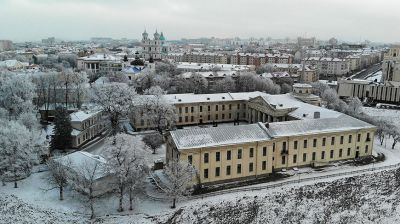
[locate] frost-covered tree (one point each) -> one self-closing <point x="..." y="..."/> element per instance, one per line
<point x="16" y="150"/>
<point x="62" y="137"/>
<point x="180" y="175"/>
<point x="319" y="88"/>
<point x="58" y="177"/>
<point x="225" y="85"/>
<point x="157" y="110"/>
<point x="286" y="88"/>
<point x="115" y="99"/>
<point x="331" y="98"/>
<point x="395" y="134"/>
<point x="79" y="83"/>
<point x="154" y="141"/>
<point x="354" y="106"/>
<point x="199" y="84"/>
<point x="124" y="156"/>
<point x="246" y="83"/>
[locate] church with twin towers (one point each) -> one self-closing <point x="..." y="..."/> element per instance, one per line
<point x="155" y="48"/>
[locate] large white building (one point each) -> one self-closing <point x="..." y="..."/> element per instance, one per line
<point x="155" y="48"/>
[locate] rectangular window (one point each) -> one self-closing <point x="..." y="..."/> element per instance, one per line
<point x="190" y="159"/>
<point x="305" y="143"/>
<point x="313" y="156"/>
<point x="264" y="151"/>
<point x="332" y="140"/>
<point x="180" y="119"/>
<point x="239" y="168"/>
<point x="223" y="107"/>
<point x="209" y="107"/>
<point x="209" y="117"/>
<point x="206" y="173"/>
<point x="348" y="152"/>
<point x="304" y="157"/>
<point x="230" y="106"/>
<point x="216" y="107"/>
<point x="251" y="153"/>
<point x="216" y="117"/>
<point x="192" y="118"/>
<point x="366" y="149"/>
<point x="201" y="108"/>
<point x="217" y="171"/>
<point x="340" y="153"/>
<point x="295" y="145"/>
<point x="239" y="154"/>
<point x="294" y="158"/>
<point x="358" y="137"/>
<point x="264" y="165"/>
<point x="331" y="154"/>
<point x="283" y="159"/>
<point x="323" y="141"/>
<point x="341" y="139"/>
<point x="350" y="138"/>
<point x="205" y="157"/>
<point x="251" y="168"/>
<point x="186" y="109"/>
<point x="223" y="116"/>
<point x="323" y="155"/>
<point x="192" y="109"/>
<point x="217" y="156"/>
<point x="284" y="145"/>
<point x="228" y="170"/>
<point x="186" y="118"/>
<point x="228" y="155"/>
<point x="315" y="142"/>
<point x="180" y="110"/>
<point x="368" y="138"/>
<point x="238" y="106"/>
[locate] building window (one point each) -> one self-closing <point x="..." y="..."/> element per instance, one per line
<point x="323" y="141"/>
<point x="223" y="107"/>
<point x="230" y="106"/>
<point x="305" y="144"/>
<point x="192" y="109"/>
<point x="366" y="149"/>
<point x="315" y="142"/>
<point x="205" y="157"/>
<point x="251" y="168"/>
<point x="239" y="168"/>
<point x="216" y="107"/>
<point x="323" y="155"/>
<point x="368" y="138"/>
<point x="331" y="154"/>
<point x="209" y="117"/>
<point x="217" y="171"/>
<point x="341" y="139"/>
<point x="223" y="116"/>
<point x="295" y="145"/>
<point x="350" y="138"/>
<point x="228" y="170"/>
<point x="251" y="154"/>
<point x="264" y="165"/>
<point x="264" y="151"/>
<point x="273" y="147"/>
<point x="358" y="137"/>
<point x="216" y="117"/>
<point x="180" y="119"/>
<point x="206" y="173"/>
<point x="340" y="153"/>
<point x="190" y="159"/>
<point x="186" y="118"/>
<point x="186" y="109"/>
<point x="348" y="151"/>
<point x="192" y="118"/>
<point x="283" y="159"/>
<point x="217" y="156"/>
<point x="180" y="110"/>
<point x="284" y="145"/>
<point x="332" y="140"/>
<point x="201" y="108"/>
<point x="239" y="154"/>
<point x="294" y="158"/>
<point x="238" y="106"/>
<point x="228" y="155"/>
<point x="209" y="108"/>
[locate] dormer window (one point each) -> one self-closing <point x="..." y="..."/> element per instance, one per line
<point x="223" y="97"/>
<point x="208" y="98"/>
<point x="179" y="100"/>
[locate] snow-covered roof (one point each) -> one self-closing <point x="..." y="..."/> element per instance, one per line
<point x="217" y="97"/>
<point x="323" y="125"/>
<point x="302" y="85"/>
<point x="82" y="115"/>
<point x="100" y="57"/>
<point x="84" y="161"/>
<point x="217" y="136"/>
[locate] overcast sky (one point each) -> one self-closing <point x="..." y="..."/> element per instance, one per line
<point x="352" y="20"/>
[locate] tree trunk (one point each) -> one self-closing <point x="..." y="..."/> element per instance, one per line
<point x="130" y="200"/>
<point x="173" y="203"/>
<point x="91" y="203"/>
<point x="394" y="144"/>
<point x="121" y="196"/>
<point x="15" y="178"/>
<point x="61" y="193"/>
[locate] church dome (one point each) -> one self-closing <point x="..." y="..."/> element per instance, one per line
<point x="156" y="36"/>
<point x="162" y="36"/>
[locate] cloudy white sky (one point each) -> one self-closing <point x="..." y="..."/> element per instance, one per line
<point x="352" y="20"/>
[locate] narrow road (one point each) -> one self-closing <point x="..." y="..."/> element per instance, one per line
<point x="372" y="69"/>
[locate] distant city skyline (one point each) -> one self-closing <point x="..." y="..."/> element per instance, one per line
<point x="355" y="20"/>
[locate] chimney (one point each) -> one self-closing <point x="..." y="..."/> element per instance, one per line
<point x="317" y="114"/>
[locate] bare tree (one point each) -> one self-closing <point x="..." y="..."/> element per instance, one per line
<point x="124" y="156"/>
<point x="180" y="175"/>
<point x="154" y="141"/>
<point x="157" y="110"/>
<point x="116" y="99"/>
<point x="58" y="175"/>
<point x="225" y="85"/>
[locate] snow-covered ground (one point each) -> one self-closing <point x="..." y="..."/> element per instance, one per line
<point x="375" y="76"/>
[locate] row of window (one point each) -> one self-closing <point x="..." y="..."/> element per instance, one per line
<point x="315" y="141"/>
<point x="209" y="117"/>
<point x="238" y="169"/>
<point x="206" y="156"/>
<point x="209" y="108"/>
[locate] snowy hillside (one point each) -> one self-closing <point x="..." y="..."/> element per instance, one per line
<point x="372" y="198"/>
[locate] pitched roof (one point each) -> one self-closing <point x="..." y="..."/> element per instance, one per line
<point x="217" y="136"/>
